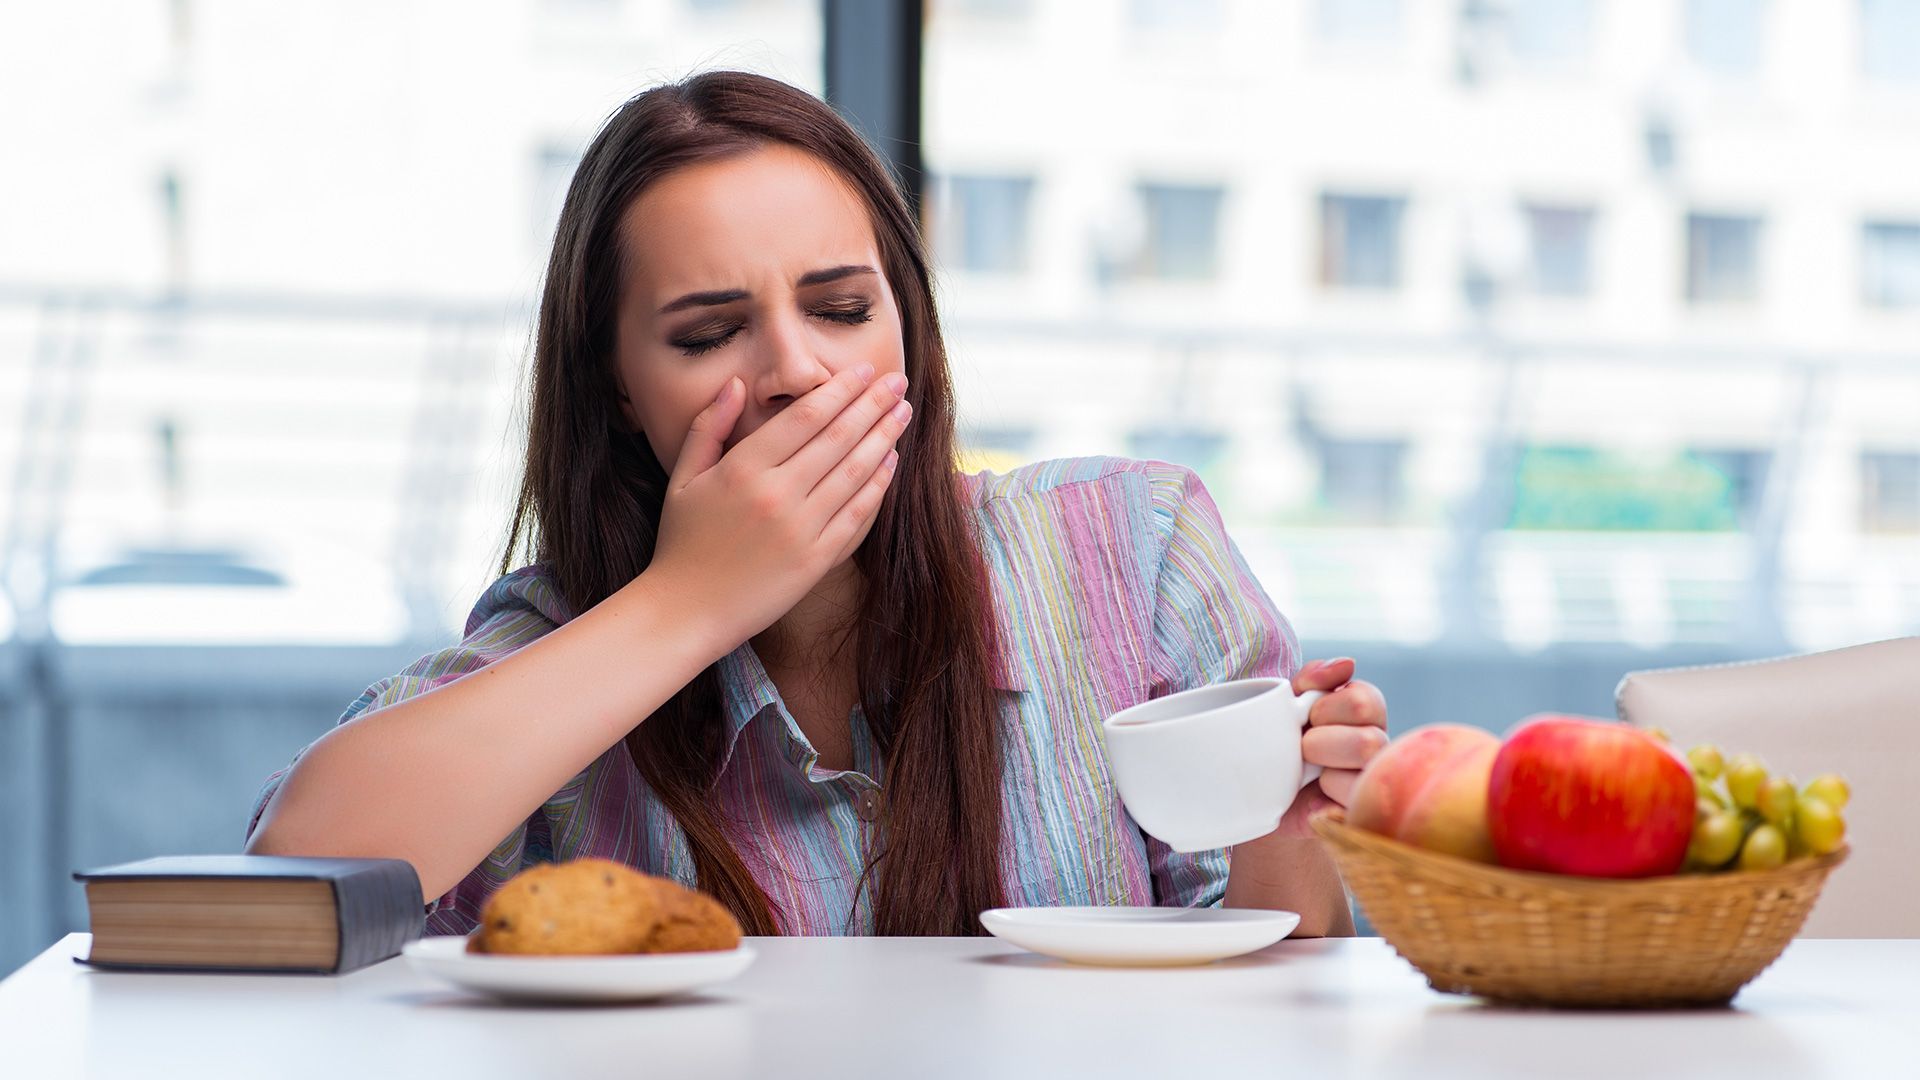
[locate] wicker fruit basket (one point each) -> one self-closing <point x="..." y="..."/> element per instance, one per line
<point x="1547" y="939"/>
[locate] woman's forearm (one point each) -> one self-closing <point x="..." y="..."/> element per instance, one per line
<point x="440" y="778"/>
<point x="1291" y="873"/>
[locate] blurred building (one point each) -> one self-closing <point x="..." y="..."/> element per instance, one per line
<point x="266" y="288"/>
<point x="1528" y="321"/>
<point x="1533" y="321"/>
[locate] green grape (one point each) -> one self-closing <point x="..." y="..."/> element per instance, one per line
<point x="1706" y="761"/>
<point x="1703" y="789"/>
<point x="1766" y="848"/>
<point x="1830" y="788"/>
<point x="1704" y="807"/>
<point x="1818" y="825"/>
<point x="1745" y="774"/>
<point x="1775" y="802"/>
<point x="1796" y="847"/>
<point x="1715" y="840"/>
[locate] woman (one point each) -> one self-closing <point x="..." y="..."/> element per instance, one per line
<point x="770" y="642"/>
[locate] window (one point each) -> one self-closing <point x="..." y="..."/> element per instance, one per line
<point x="1658" y="136"/>
<point x="1360" y="241"/>
<point x="1196" y="449"/>
<point x="1890" y="40"/>
<point x="987" y="9"/>
<point x="1174" y="14"/>
<point x="1549" y="32"/>
<point x="1359" y="22"/>
<point x="1560" y="250"/>
<point x="1183" y="231"/>
<point x="1723" y="259"/>
<point x="1724" y="37"/>
<point x="1890" y="492"/>
<point x="1743" y="477"/>
<point x="1598" y="489"/>
<point x="981" y="223"/>
<point x="1890" y="265"/>
<point x="1363" y="479"/>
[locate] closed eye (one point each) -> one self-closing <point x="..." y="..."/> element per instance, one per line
<point x="848" y="316"/>
<point x="851" y="317"/>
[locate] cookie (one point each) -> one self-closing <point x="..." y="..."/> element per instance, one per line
<point x="582" y="907"/>
<point x="690" y="922"/>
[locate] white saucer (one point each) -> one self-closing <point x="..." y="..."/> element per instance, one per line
<point x="1139" y="936"/>
<point x="574" y="978"/>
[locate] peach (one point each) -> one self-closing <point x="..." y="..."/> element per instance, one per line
<point x="1429" y="788"/>
<point x="1449" y="813"/>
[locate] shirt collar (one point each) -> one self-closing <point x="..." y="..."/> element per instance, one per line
<point x="746" y="690"/>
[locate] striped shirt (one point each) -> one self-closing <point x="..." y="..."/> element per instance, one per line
<point x="1114" y="582"/>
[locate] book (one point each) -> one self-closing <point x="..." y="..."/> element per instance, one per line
<point x="257" y="913"/>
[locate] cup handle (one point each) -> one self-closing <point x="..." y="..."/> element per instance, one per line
<point x="1304" y="703"/>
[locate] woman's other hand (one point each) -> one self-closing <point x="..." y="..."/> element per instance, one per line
<point x="1345" y="729"/>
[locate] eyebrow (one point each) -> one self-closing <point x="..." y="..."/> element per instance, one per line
<point x="717" y="297"/>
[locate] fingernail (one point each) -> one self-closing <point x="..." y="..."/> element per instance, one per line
<point x="726" y="393"/>
<point x="1340" y="660"/>
<point x="865" y="371"/>
<point x="897" y="383"/>
<point x="902" y="411"/>
<point x="893" y="458"/>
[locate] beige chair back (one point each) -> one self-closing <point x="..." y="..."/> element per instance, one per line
<point x="1853" y="711"/>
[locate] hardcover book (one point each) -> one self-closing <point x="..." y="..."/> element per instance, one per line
<point x="256" y="913"/>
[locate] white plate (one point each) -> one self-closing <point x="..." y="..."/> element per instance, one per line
<point x="574" y="978"/>
<point x="1139" y="936"/>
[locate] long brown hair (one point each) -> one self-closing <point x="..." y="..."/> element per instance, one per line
<point x="591" y="495"/>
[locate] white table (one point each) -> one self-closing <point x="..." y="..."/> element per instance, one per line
<point x="971" y="1008"/>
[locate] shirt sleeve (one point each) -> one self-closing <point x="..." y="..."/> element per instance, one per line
<point x="515" y="611"/>
<point x="1212" y="622"/>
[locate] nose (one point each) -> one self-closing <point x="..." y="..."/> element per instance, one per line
<point x="788" y="365"/>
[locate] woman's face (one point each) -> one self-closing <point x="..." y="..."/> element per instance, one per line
<point x="761" y="265"/>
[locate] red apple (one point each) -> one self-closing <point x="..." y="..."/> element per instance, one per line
<point x="1429" y="788"/>
<point x="1570" y="795"/>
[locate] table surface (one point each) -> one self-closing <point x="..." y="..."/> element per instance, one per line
<point x="960" y="1007"/>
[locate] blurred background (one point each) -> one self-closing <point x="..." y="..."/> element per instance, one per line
<point x="1523" y="343"/>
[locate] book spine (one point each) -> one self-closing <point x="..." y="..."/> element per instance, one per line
<point x="380" y="909"/>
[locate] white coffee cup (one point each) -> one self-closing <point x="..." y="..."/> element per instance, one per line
<point x="1212" y="766"/>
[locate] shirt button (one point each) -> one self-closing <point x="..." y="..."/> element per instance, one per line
<point x="867" y="806"/>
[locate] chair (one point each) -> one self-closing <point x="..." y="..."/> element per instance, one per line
<point x="1854" y="711"/>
